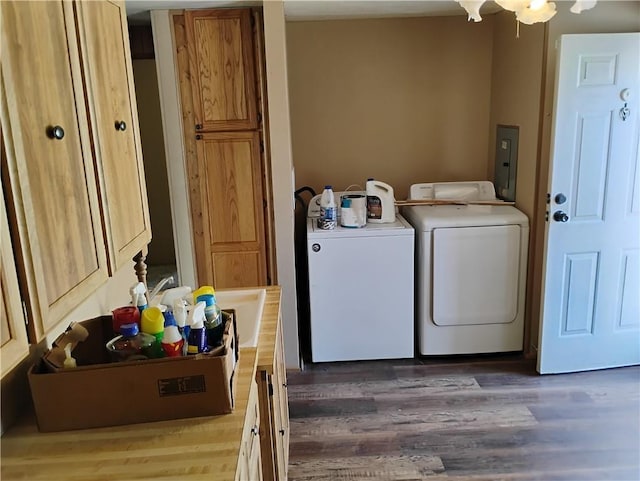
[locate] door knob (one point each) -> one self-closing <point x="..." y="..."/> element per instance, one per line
<point x="55" y="132"/>
<point x="560" y="216"/>
<point x="121" y="125"/>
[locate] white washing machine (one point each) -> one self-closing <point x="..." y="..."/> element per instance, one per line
<point x="361" y="288"/>
<point x="471" y="267"/>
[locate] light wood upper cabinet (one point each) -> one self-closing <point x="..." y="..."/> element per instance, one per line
<point x="13" y="342"/>
<point x="220" y="50"/>
<point x="74" y="174"/>
<point x="49" y="162"/>
<point x="113" y="112"/>
<point x="231" y="187"/>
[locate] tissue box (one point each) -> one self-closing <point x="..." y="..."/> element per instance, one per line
<point x="98" y="393"/>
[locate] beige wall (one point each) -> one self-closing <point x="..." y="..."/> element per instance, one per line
<point x="606" y="17"/>
<point x="403" y="100"/>
<point x="516" y="90"/>
<point x="515" y="98"/>
<point x="161" y="249"/>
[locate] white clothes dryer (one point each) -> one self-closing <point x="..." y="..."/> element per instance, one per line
<point x="471" y="267"/>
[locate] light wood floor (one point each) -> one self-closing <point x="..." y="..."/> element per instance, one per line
<point x="470" y="419"/>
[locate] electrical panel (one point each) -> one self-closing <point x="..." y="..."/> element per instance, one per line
<point x="506" y="162"/>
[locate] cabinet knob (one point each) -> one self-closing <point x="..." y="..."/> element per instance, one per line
<point x="198" y="126"/>
<point x="121" y="125"/>
<point x="282" y="432"/>
<point x="55" y="132"/>
<point x="254" y="430"/>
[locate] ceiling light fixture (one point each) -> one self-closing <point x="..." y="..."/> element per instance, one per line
<point x="527" y="11"/>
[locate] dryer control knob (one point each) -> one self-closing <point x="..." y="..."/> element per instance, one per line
<point x="315" y="247"/>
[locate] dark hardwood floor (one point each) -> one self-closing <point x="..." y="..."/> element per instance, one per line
<point x="487" y="418"/>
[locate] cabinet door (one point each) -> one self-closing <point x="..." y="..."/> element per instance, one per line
<point x="274" y="411"/>
<point x="50" y="175"/>
<point x="220" y="50"/>
<point x="255" y="463"/>
<point x="14" y="344"/>
<point x="280" y="380"/>
<point x="230" y="185"/>
<point x="249" y="463"/>
<point x="114" y="117"/>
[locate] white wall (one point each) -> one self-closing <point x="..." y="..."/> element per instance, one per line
<point x="282" y="171"/>
<point x="174" y="146"/>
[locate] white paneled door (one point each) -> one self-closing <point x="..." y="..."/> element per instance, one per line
<point x="591" y="311"/>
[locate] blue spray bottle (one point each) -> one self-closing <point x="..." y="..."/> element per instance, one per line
<point x="197" y="333"/>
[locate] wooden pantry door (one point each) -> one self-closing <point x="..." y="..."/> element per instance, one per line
<point x="231" y="196"/>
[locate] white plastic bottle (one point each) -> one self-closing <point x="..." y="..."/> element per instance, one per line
<point x="381" y="207"/>
<point x="328" y="213"/>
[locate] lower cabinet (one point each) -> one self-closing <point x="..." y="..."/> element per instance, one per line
<point x="274" y="413"/>
<point x="249" y="463"/>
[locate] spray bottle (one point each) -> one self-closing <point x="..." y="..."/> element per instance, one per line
<point x="138" y="297"/>
<point x="180" y="314"/>
<point x="172" y="342"/>
<point x="197" y="334"/>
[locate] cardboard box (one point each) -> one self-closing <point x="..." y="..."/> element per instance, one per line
<point x="99" y="393"/>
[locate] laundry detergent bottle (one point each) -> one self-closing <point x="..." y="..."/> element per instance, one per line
<point x="381" y="207"/>
<point x="328" y="212"/>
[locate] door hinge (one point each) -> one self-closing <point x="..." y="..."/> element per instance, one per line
<point x="24" y="313"/>
<point x="546" y="216"/>
<point x="270" y="390"/>
<point x="548" y="198"/>
<point x="261" y="146"/>
<point x="259" y="118"/>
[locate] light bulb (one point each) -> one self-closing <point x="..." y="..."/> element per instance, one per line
<point x="537" y="4"/>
